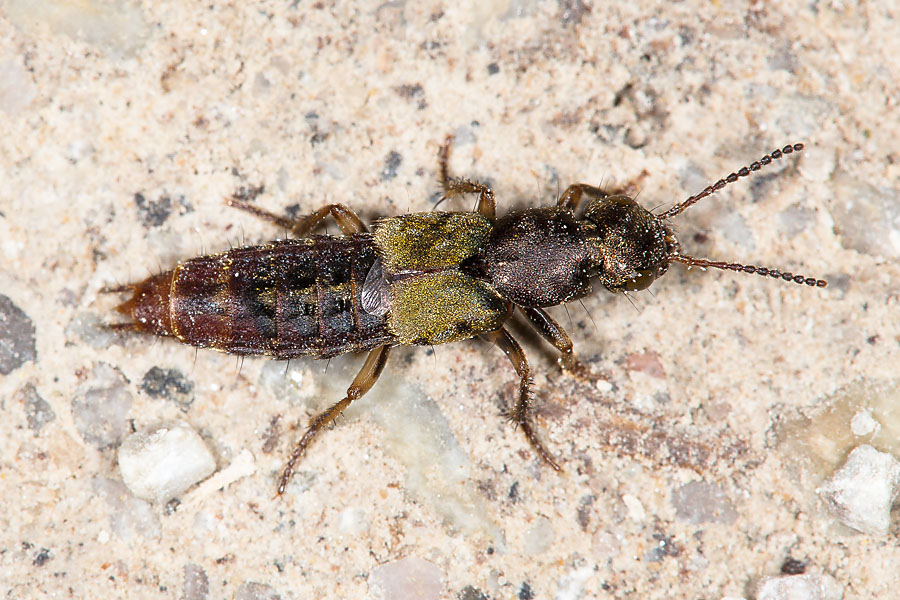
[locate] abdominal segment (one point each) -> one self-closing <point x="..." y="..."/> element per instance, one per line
<point x="284" y="299"/>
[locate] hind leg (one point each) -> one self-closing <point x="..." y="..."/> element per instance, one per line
<point x="362" y="383"/>
<point x="346" y="219"/>
<point x="519" y="414"/>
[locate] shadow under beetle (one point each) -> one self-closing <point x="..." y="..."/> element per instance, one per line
<point x="423" y="279"/>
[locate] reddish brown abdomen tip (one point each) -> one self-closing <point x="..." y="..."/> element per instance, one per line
<point x="149" y="306"/>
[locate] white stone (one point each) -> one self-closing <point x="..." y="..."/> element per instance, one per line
<point x="635" y="508"/>
<point x="162" y="464"/>
<point x="811" y="586"/>
<point x="603" y="386"/>
<point x="410" y="577"/>
<point x="863" y="423"/>
<point x="861" y="492"/>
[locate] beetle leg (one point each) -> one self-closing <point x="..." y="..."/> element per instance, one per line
<point x="457" y="186"/>
<point x="346" y="219"/>
<point x="519" y="413"/>
<point x="362" y="383"/>
<point x="551" y="331"/>
<point x="571" y="198"/>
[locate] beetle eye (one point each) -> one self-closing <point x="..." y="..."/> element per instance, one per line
<point x="641" y="280"/>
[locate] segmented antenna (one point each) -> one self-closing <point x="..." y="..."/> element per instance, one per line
<point x="741" y="268"/>
<point x="754" y="166"/>
<point x="764" y="271"/>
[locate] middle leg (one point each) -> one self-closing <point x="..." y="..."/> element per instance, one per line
<point x="456" y="186"/>
<point x="551" y="331"/>
<point x="519" y="413"/>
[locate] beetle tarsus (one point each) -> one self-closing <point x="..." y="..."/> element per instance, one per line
<point x="362" y="383"/>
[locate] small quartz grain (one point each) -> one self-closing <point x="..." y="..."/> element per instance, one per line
<point x="162" y="464"/>
<point x="353" y="522"/>
<point x="391" y="164"/>
<point x="37" y="411"/>
<point x="539" y="537"/>
<point x="168" y="384"/>
<point x="128" y="516"/>
<point x="860" y="493"/>
<point x="571" y="585"/>
<point x="196" y="583"/>
<point x="17" y="344"/>
<point x="699" y="502"/>
<point x="100" y="406"/>
<point x="863" y="423"/>
<point x="409" y="577"/>
<point x="867" y="218"/>
<point x="117" y="26"/>
<point x="88" y="328"/>
<point x="795" y="219"/>
<point x="17" y="89"/>
<point x="250" y="590"/>
<point x="472" y="593"/>
<point x="799" y="587"/>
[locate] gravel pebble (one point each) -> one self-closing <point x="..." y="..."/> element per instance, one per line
<point x="168" y="384"/>
<point x="162" y="464"/>
<point x="88" y="328"/>
<point x="37" y="411"/>
<point x="799" y="587"/>
<point x="863" y="423"/>
<point x="256" y="591"/>
<point x="100" y="407"/>
<point x="128" y="516"/>
<point x="196" y="582"/>
<point x="700" y="502"/>
<point x="867" y="218"/>
<point x="17" y="345"/>
<point x="409" y="577"/>
<point x="861" y="492"/>
<point x="538" y="537"/>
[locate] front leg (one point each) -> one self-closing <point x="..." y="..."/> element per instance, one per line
<point x="520" y="412"/>
<point x="346" y="219"/>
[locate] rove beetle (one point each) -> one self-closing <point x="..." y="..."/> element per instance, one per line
<point x="424" y="279"/>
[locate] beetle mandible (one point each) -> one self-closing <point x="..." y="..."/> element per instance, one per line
<point x="422" y="279"/>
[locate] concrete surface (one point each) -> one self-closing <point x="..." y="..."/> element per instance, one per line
<point x="717" y="403"/>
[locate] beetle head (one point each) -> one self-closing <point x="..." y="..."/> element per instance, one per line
<point x="630" y="246"/>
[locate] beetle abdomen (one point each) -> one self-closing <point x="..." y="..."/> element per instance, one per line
<point x="284" y="299"/>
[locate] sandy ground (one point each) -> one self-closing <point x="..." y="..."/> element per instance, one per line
<point x="716" y="403"/>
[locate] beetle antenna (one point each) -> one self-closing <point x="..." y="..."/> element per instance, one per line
<point x="743" y="172"/>
<point x="764" y="271"/>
